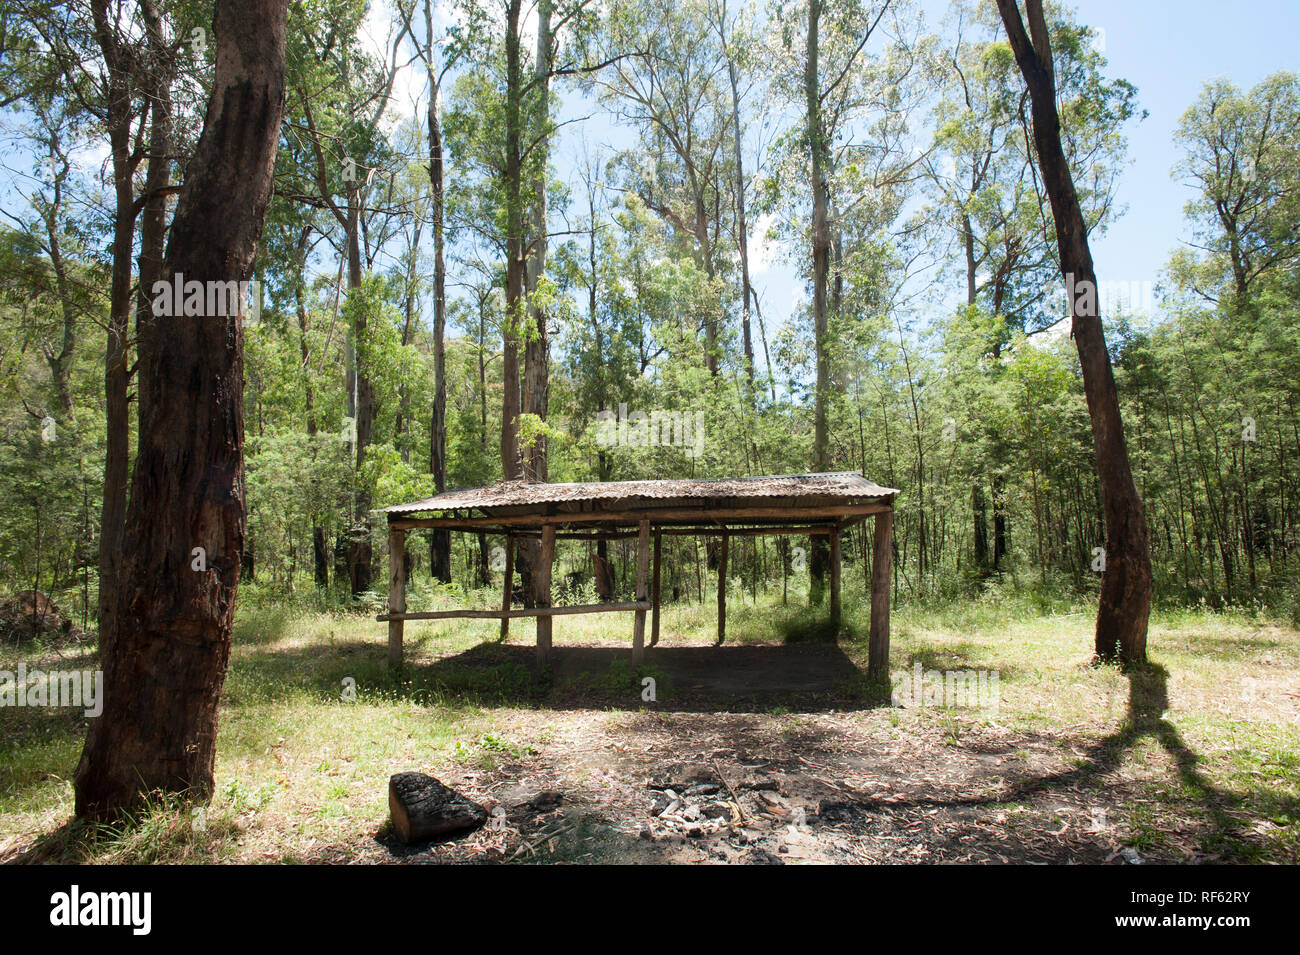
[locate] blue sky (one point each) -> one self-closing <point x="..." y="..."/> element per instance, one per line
<point x="1168" y="50"/>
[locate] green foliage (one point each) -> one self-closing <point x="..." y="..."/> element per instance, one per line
<point x="941" y="380"/>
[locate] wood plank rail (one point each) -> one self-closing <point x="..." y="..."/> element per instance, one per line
<point x="517" y="612"/>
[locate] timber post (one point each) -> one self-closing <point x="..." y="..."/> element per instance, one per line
<point x="542" y="591"/>
<point x="642" y="562"/>
<point x="509" y="585"/>
<point x="654" y="593"/>
<point x="835" y="581"/>
<point x="722" y="589"/>
<point x="396" y="593"/>
<point x="881" y="574"/>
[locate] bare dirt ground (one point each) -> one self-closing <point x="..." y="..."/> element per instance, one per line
<point x="821" y="779"/>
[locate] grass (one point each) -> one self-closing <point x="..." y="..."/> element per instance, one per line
<point x="313" y="721"/>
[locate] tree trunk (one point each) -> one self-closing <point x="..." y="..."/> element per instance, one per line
<point x="361" y="404"/>
<point x="61" y="362"/>
<point x="821" y="260"/>
<point x="979" y="512"/>
<point x="165" y="656"/>
<point x="537" y="383"/>
<point x="117" y="439"/>
<point x="440" y="546"/>
<point x="978" y="506"/>
<point x="320" y="557"/>
<point x="1125" y="602"/>
<point x="512" y="461"/>
<point x="511" y="464"/>
<point x="319" y="549"/>
<point x="742" y="227"/>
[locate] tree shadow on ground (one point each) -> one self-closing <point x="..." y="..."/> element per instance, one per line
<point x="1224" y="649"/>
<point x="748" y="678"/>
<point x="1148" y="705"/>
<point x="963" y="655"/>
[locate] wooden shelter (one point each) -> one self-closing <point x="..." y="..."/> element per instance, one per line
<point x="789" y="505"/>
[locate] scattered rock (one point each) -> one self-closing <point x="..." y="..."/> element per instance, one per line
<point x="681" y="777"/>
<point x="547" y="799"/>
<point x="703" y="789"/>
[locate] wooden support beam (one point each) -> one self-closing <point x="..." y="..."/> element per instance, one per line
<point x="776" y="530"/>
<point x="396" y="592"/>
<point x="835" y="583"/>
<point x="717" y="517"/>
<point x="722" y="589"/>
<point x="542" y="593"/>
<point x="781" y="530"/>
<point x="642" y="571"/>
<point x="881" y="574"/>
<point x="518" y="612"/>
<point x="654" y="593"/>
<point x="509" y="586"/>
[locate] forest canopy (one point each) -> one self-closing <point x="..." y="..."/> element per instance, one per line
<point x="497" y="227"/>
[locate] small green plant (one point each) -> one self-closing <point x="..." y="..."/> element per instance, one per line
<point x="488" y="748"/>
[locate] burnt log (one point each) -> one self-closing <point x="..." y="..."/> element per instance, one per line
<point x="422" y="808"/>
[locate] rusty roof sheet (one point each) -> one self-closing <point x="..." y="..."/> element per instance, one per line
<point x="849" y="486"/>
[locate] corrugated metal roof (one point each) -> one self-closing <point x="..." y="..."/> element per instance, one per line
<point x="849" y="486"/>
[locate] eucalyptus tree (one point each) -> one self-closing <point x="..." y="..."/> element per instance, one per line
<point x="438" y="55"/>
<point x="1232" y="290"/>
<point x="982" y="167"/>
<point x="339" y="94"/>
<point x="846" y="71"/>
<point x="677" y="97"/>
<point x="506" y="135"/>
<point x="736" y="35"/>
<point x="1239" y="155"/>
<point x="1126" y="583"/>
<point x="991" y="200"/>
<point x="51" y="229"/>
<point x="164" y="652"/>
<point x="121" y="65"/>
